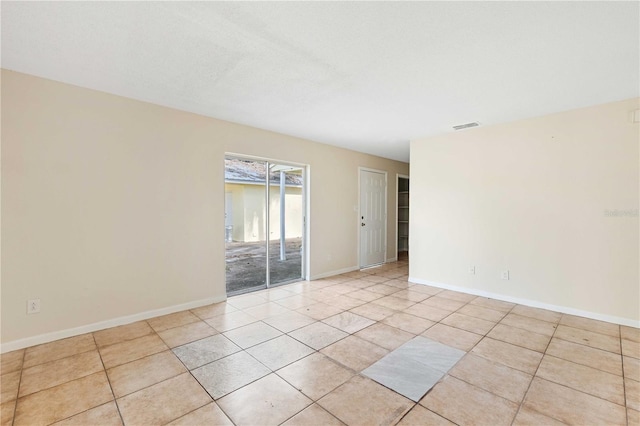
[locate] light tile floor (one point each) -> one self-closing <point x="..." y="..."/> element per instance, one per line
<point x="294" y="355"/>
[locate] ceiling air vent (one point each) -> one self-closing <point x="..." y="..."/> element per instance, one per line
<point x="466" y="125"/>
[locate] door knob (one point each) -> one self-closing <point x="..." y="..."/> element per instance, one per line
<point x="362" y="224"/>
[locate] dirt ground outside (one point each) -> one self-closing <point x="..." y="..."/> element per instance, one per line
<point x="246" y="264"/>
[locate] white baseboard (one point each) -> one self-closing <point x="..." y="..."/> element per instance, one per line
<point x="393" y="259"/>
<point x="96" y="326"/>
<point x="332" y="273"/>
<point x="532" y="303"/>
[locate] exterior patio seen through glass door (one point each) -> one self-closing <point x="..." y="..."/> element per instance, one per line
<point x="264" y="240"/>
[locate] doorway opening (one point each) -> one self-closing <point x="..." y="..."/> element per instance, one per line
<point x="402" y="232"/>
<point x="264" y="224"/>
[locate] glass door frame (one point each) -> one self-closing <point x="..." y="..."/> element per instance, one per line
<point x="304" y="259"/>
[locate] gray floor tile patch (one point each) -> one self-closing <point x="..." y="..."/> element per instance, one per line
<point x="228" y="374"/>
<point x="201" y="352"/>
<point x="415" y="367"/>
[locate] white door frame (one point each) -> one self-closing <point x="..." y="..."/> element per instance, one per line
<point x="386" y="212"/>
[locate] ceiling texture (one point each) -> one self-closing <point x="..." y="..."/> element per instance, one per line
<point x="368" y="76"/>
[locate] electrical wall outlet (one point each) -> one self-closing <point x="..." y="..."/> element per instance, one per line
<point x="33" y="306"/>
<point x="472" y="270"/>
<point x="505" y="274"/>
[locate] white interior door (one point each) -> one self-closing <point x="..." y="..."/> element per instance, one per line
<point x="373" y="213"/>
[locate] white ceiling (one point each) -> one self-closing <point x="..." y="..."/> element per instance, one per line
<point x="368" y="76"/>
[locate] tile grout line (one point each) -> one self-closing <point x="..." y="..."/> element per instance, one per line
<point x="536" y="373"/>
<point x="624" y="382"/>
<point x="587" y="346"/>
<point x="115" y="402"/>
<point x="313" y="401"/>
<point x="205" y="390"/>
<point x="586" y="366"/>
<point x="482" y="336"/>
<point x="48" y="362"/>
<point x="524" y="396"/>
<point x="15" y="407"/>
<point x="298" y="412"/>
<point x="164" y="380"/>
<point x="553" y="336"/>
<point x="148" y="386"/>
<point x="247" y="384"/>
<point x="153" y="384"/>
<point x="64" y="357"/>
<point x="485" y="336"/>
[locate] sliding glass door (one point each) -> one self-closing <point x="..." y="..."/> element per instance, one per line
<point x="264" y="224"/>
<point x="245" y="225"/>
<point x="286" y="227"/>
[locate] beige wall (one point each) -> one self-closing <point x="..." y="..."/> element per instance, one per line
<point x="113" y="207"/>
<point x="530" y="197"/>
